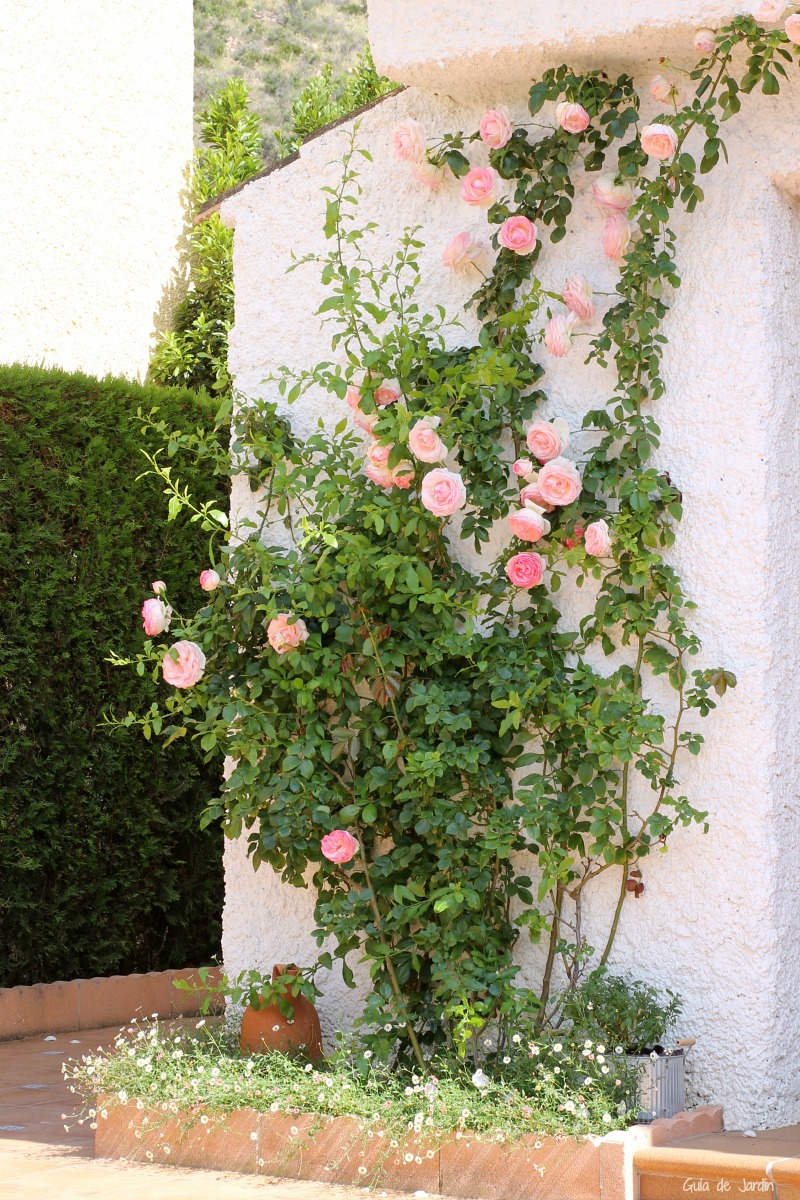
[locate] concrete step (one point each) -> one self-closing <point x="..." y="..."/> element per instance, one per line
<point x="721" y="1164"/>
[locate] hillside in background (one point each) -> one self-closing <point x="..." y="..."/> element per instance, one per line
<point x="274" y="46"/>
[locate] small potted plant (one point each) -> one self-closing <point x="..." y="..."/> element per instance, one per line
<point x="632" y="1017"/>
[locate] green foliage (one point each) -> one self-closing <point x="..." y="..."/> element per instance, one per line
<point x="447" y="720"/>
<point x="622" y="1011"/>
<point x="104" y="869"/>
<point x="195" y="352"/>
<point x="531" y="1086"/>
<point x="326" y="97"/>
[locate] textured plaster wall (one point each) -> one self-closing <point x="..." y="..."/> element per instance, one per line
<point x="96" y="99"/>
<point x="719" y="918"/>
<point x="462" y="47"/>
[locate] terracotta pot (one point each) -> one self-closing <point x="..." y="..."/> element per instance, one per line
<point x="268" y="1029"/>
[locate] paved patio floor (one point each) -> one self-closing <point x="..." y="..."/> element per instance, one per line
<point x="39" y="1158"/>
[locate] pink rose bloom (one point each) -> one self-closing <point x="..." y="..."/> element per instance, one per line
<point x="659" y="141"/>
<point x="522" y="467"/>
<point x="366" y="421"/>
<point x="285" y="635"/>
<point x="479" y="187"/>
<point x="768" y="11"/>
<point x="579" y="298"/>
<point x="793" y="28"/>
<point x="610" y="194"/>
<point x="409" y="141"/>
<point x="387" y="392"/>
<point x="183" y="665"/>
<point x="158" y="586"/>
<point x="528" y="524"/>
<point x="353" y="396"/>
<point x="378" y="455"/>
<point x="209" y="580"/>
<point x="664" y="91"/>
<point x="380" y="475"/>
<point x="572" y="117"/>
<point x="461" y="252"/>
<point x="548" y="439"/>
<point x="339" y="846"/>
<point x="495" y="127"/>
<point x="558" y="334"/>
<point x="403" y="475"/>
<point x="705" y="41"/>
<point x="518" y="234"/>
<point x="597" y="539"/>
<point x="616" y="236"/>
<point x="559" y="482"/>
<point x="425" y="443"/>
<point x="429" y="175"/>
<point x="531" y="494"/>
<point x="443" y="492"/>
<point x="525" y="570"/>
<point x="156" y="617"/>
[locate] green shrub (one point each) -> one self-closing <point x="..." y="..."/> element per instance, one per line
<point x="104" y="867"/>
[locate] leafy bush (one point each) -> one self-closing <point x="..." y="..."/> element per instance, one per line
<point x="327" y="96"/>
<point x="104" y="869"/>
<point x="195" y="353"/>
<point x="625" y="1011"/>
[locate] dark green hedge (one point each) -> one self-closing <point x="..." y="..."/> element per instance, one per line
<point x="103" y="869"/>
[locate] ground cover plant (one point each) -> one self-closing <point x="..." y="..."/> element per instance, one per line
<point x="406" y="733"/>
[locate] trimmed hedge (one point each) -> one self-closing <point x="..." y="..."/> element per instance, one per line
<point x="103" y="868"/>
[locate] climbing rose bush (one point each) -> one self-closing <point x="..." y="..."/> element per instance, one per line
<point x="408" y="736"/>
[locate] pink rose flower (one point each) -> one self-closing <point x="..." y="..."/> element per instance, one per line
<point x="768" y="11"/>
<point x="558" y="334"/>
<point x="531" y="494"/>
<point x="495" y="127"/>
<point x="597" y="539"/>
<point x="548" y="439"/>
<point x="793" y="28"/>
<point x="559" y="482"/>
<point x="528" y="523"/>
<point x="409" y="141"/>
<point x="616" y="236"/>
<point x="659" y="141"/>
<point x="403" y="475"/>
<point x="380" y="475"/>
<point x="353" y="396"/>
<point x="158" y="586"/>
<point x="705" y="41"/>
<point x="378" y="455"/>
<point x="425" y="443"/>
<point x="429" y="175"/>
<point x="479" y="187"/>
<point x="525" y="570"/>
<point x="284" y="635"/>
<point x="461" y="252"/>
<point x="610" y="194"/>
<point x="387" y="392"/>
<point x="366" y="421"/>
<point x="522" y="467"/>
<point x="209" y="580"/>
<point x="443" y="492"/>
<point x="183" y="665"/>
<point x="518" y="234"/>
<point x="156" y="617"/>
<point x="339" y="846"/>
<point x="664" y="91"/>
<point x="579" y="298"/>
<point x="572" y="117"/>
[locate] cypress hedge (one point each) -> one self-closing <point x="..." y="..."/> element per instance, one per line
<point x="103" y="868"/>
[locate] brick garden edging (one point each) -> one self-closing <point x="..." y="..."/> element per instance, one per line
<point x="65" y="1007"/>
<point x="334" y="1149"/>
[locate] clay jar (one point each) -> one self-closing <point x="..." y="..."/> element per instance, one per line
<point x="267" y="1028"/>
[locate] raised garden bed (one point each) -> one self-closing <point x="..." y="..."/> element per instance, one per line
<point x="338" y="1150"/>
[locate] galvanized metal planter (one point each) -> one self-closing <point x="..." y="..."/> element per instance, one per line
<point x="662" y="1083"/>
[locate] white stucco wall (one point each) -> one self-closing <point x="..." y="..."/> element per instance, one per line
<point x="96" y="102"/>
<point x="719" y="920"/>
